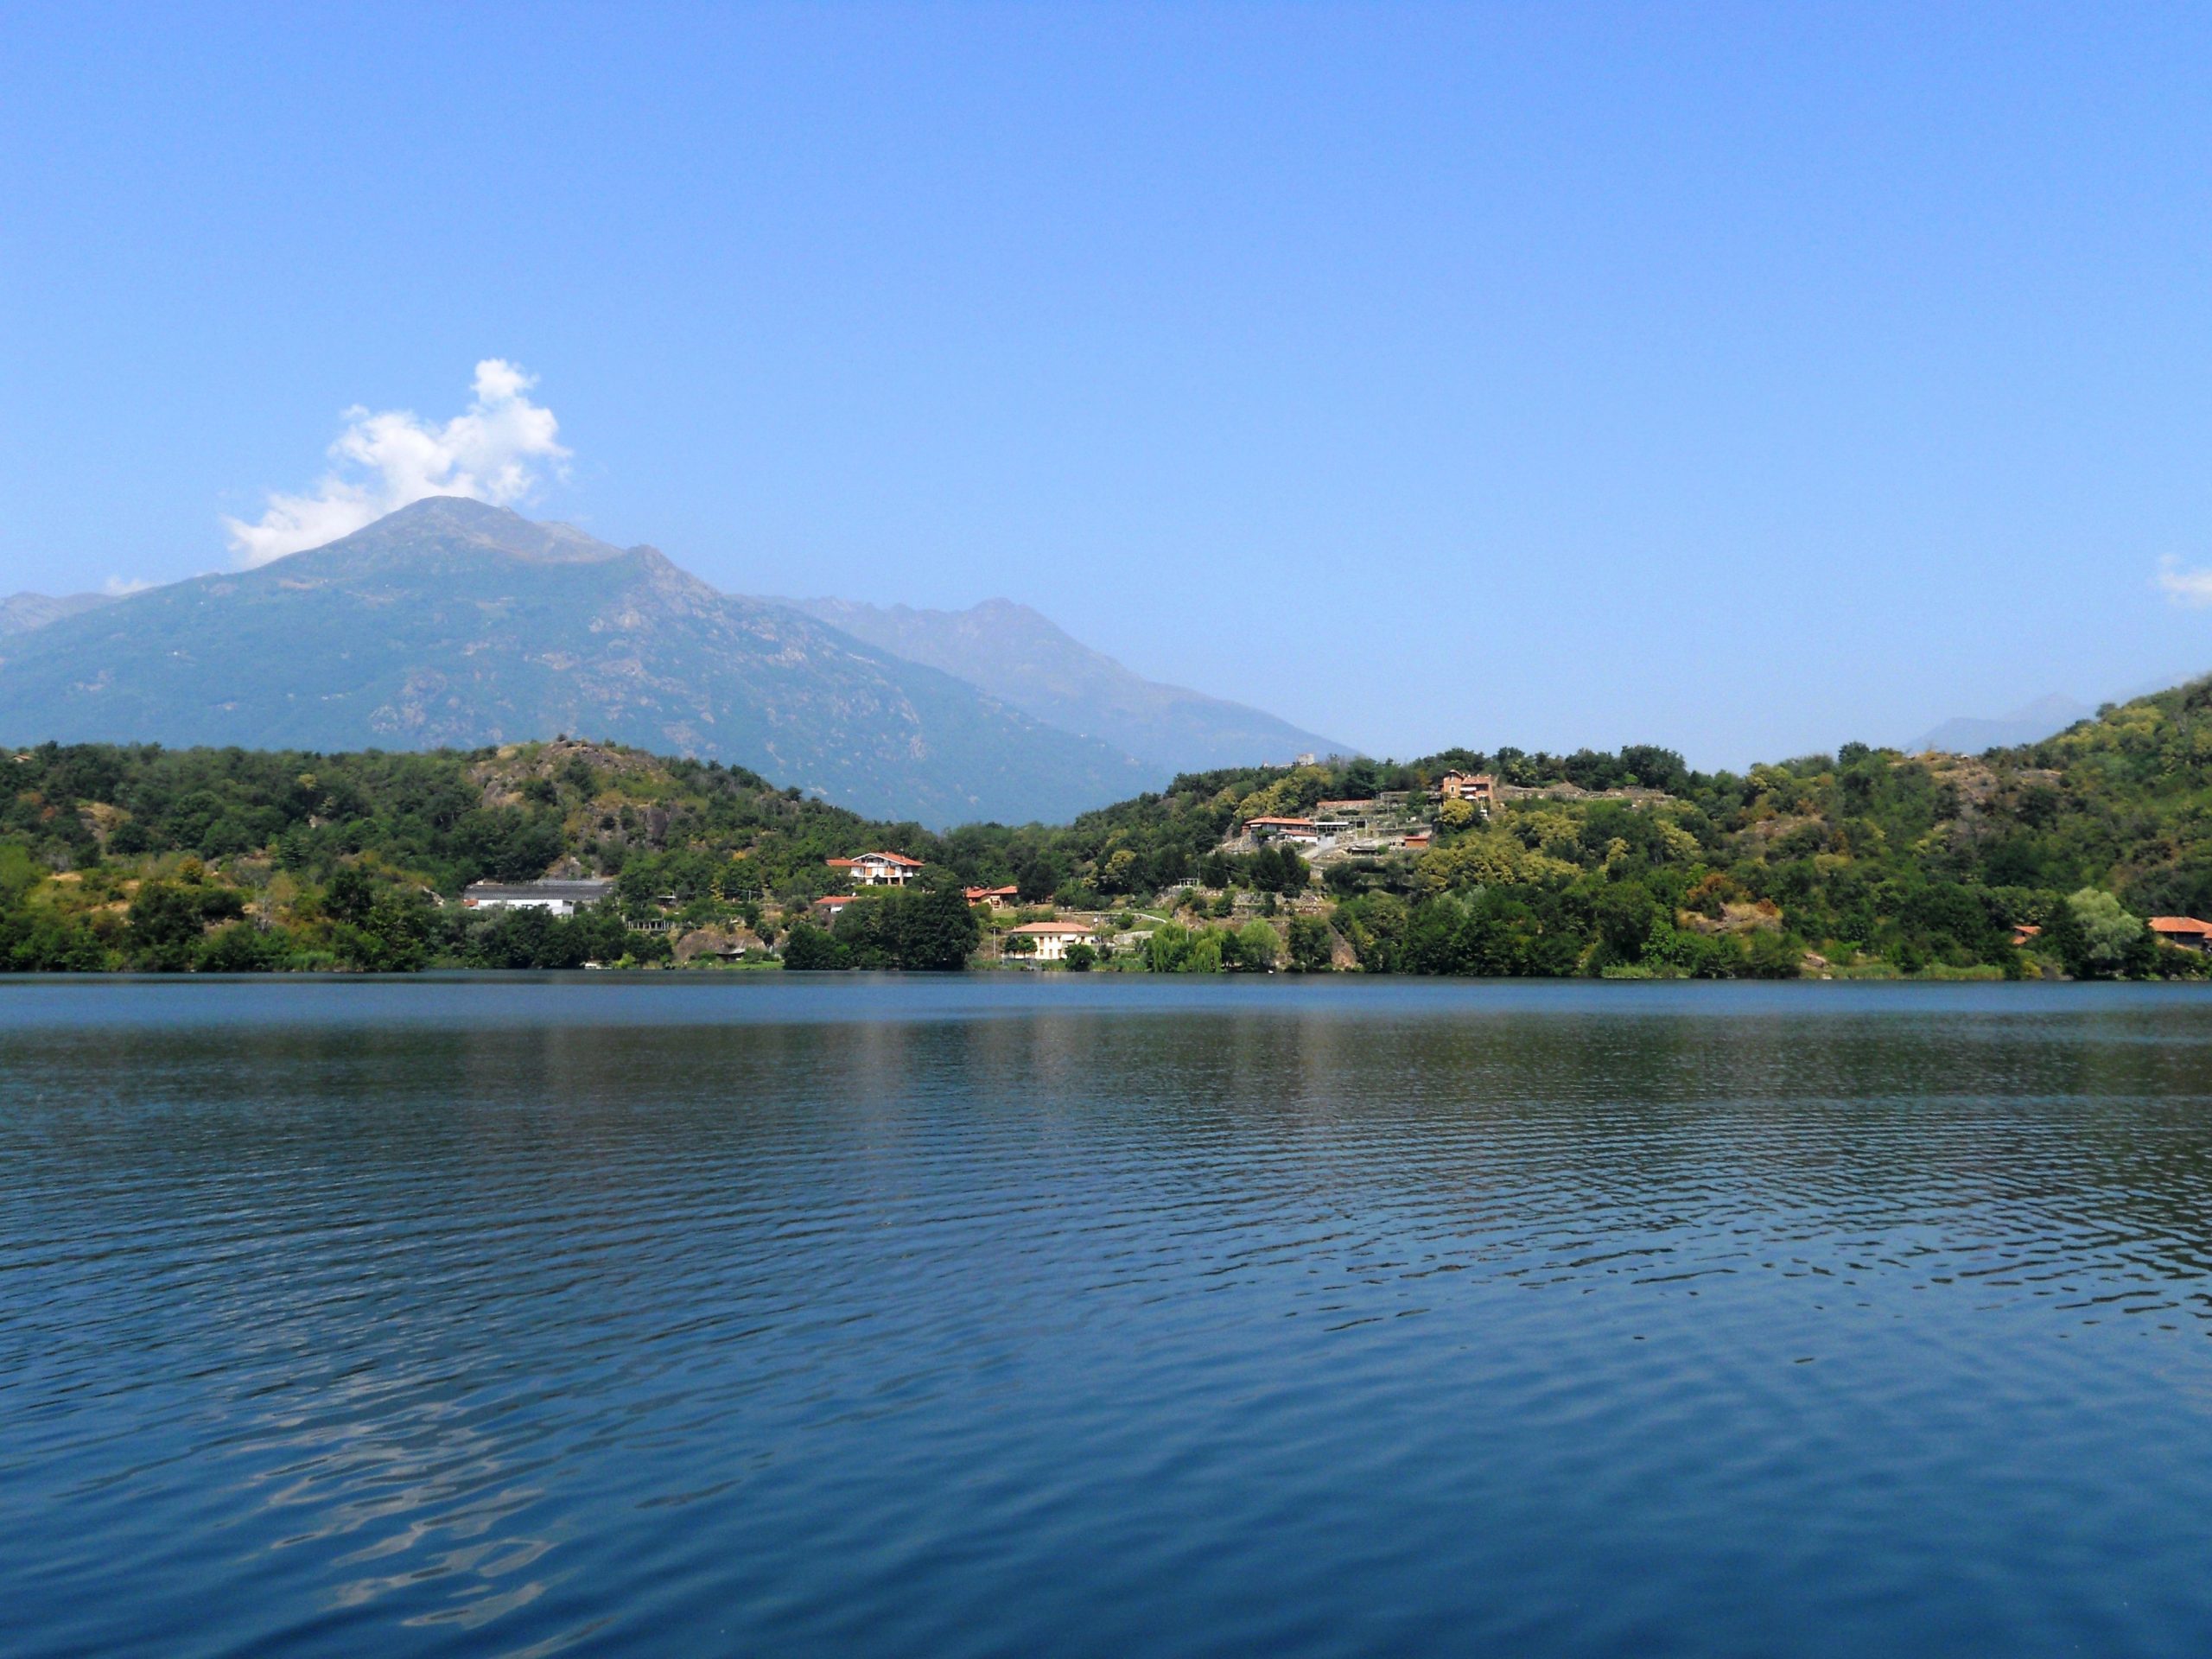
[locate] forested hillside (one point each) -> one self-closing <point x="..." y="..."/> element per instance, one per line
<point x="1868" y="862"/>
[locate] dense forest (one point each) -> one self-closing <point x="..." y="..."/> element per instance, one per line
<point x="1866" y="863"/>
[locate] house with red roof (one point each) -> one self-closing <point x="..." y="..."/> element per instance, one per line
<point x="2185" y="931"/>
<point x="1319" y="834"/>
<point x="995" y="898"/>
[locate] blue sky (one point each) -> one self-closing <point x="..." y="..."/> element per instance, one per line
<point x="1743" y="379"/>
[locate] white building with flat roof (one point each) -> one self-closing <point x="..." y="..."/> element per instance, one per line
<point x="561" y="897"/>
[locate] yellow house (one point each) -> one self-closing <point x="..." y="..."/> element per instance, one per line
<point x="1053" y="939"/>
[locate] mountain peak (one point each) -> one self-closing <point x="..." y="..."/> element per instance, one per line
<point x="460" y="518"/>
<point x="21" y="612"/>
<point x="452" y="623"/>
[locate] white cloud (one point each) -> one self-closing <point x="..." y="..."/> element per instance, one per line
<point x="494" y="453"/>
<point x="124" y="587"/>
<point x="2190" y="588"/>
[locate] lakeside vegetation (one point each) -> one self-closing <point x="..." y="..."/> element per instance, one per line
<point x="1866" y="863"/>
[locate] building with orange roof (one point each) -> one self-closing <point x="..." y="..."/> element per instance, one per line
<point x="1308" y="832"/>
<point x="2185" y="931"/>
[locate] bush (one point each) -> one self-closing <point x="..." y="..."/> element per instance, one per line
<point x="242" y="948"/>
<point x="1773" y="957"/>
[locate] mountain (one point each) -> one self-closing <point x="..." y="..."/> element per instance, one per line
<point x="1025" y="659"/>
<point x="2029" y="724"/>
<point x="21" y="612"/>
<point x="451" y="623"/>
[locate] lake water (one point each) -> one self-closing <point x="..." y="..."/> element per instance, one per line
<point x="1024" y="1316"/>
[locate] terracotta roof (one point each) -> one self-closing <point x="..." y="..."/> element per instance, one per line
<point x="973" y="894"/>
<point x="1305" y="824"/>
<point x="832" y="900"/>
<point x="2186" y="924"/>
<point x="1050" y="927"/>
<point x="893" y="858"/>
<point x="839" y="863"/>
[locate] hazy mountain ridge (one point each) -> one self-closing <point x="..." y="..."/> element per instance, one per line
<point x="21" y="612"/>
<point x="2031" y="724"/>
<point x="1024" y="659"/>
<point x="450" y="623"/>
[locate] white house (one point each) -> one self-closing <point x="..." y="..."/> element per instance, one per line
<point x="1053" y="939"/>
<point x="879" y="869"/>
<point x="561" y="897"/>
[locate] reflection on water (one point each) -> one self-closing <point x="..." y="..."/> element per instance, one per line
<point x="974" y="1317"/>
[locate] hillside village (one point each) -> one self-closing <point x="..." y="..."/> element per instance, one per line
<point x="1397" y="823"/>
<point x="2076" y="857"/>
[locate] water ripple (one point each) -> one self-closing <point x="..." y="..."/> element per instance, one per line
<point x="978" y="1317"/>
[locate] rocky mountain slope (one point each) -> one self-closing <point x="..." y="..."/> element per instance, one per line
<point x="454" y="624"/>
<point x="1024" y="659"/>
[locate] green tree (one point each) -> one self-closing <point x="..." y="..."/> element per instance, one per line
<point x="1257" y="945"/>
<point x="349" y="896"/>
<point x="1276" y="867"/>
<point x="392" y="936"/>
<point x="808" y="949"/>
<point x="1627" y="914"/>
<point x="1167" y="949"/>
<point x="2095" y="938"/>
<point x="1771" y="956"/>
<point x="1313" y="944"/>
<point x="933" y="931"/>
<point x="164" y="925"/>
